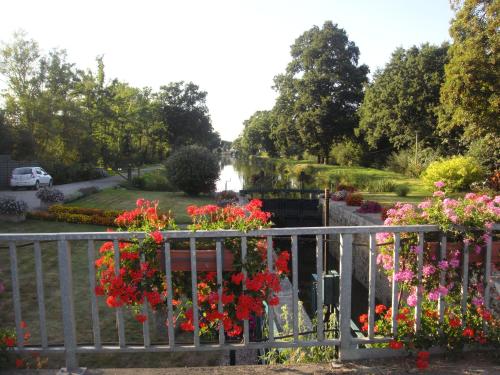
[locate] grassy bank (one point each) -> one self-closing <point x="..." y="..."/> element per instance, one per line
<point x="363" y="178"/>
<point x="123" y="199"/>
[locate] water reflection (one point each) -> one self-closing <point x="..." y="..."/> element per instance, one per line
<point x="258" y="173"/>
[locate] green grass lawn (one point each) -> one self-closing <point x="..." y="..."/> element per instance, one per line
<point x="82" y="292"/>
<point x="123" y="199"/>
<point x="325" y="173"/>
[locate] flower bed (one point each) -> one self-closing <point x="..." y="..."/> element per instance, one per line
<point x="468" y="221"/>
<point x="12" y="209"/>
<point x="139" y="281"/>
<point x="77" y="215"/>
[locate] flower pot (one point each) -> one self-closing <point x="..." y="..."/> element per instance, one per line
<point x="206" y="260"/>
<point x="434" y="248"/>
<point x="13" y="218"/>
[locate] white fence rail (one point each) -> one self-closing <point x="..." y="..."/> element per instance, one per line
<point x="348" y="345"/>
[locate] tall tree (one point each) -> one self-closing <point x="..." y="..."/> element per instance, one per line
<point x="322" y="87"/>
<point x="258" y="134"/>
<point x="470" y="95"/>
<point x="402" y="99"/>
<point x="185" y="115"/>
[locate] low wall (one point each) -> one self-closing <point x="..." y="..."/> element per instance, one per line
<point x="343" y="215"/>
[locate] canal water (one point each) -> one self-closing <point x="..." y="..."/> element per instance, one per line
<point x="236" y="175"/>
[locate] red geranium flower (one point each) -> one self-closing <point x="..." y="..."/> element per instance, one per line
<point x="141" y="318"/>
<point x="379" y="309"/>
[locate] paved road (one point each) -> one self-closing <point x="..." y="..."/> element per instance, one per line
<point x="33" y="202"/>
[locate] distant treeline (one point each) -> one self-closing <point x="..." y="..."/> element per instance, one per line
<point x="427" y="102"/>
<point x="66" y="117"/>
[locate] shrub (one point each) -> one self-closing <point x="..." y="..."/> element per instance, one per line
<point x="458" y="172"/>
<point x="354" y="199"/>
<point x="346" y="187"/>
<point x="404" y="161"/>
<point x="193" y="169"/>
<point x="138" y="182"/>
<point x="50" y="195"/>
<point x="402" y="190"/>
<point x="486" y="151"/>
<point x="157" y="181"/>
<point x="85" y="191"/>
<point x="226" y="197"/>
<point x="381" y="186"/>
<point x="12" y="206"/>
<point x="369" y="207"/>
<point x="347" y="153"/>
<point x="340" y="195"/>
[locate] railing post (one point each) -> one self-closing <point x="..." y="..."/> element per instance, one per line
<point x="345" y="295"/>
<point x="68" y="312"/>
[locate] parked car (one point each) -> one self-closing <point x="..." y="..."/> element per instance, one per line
<point x="31" y="177"/>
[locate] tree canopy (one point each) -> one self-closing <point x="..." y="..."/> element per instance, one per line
<point x="403" y="98"/>
<point x="470" y="95"/>
<point x="65" y="116"/>
<point x="322" y="88"/>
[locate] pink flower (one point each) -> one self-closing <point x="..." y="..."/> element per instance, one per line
<point x="439" y="194"/>
<point x="412" y="300"/>
<point x="443" y="290"/>
<point x="425" y="204"/>
<point x="403" y="276"/>
<point x="478" y="301"/>
<point x="477" y="249"/>
<point x="454" y="263"/>
<point x="471" y="196"/>
<point x="443" y="265"/>
<point x="429" y="270"/>
<point x="433" y="295"/>
<point x="439" y="184"/>
<point x="416" y="249"/>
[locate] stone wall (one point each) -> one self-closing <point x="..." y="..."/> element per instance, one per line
<point x="343" y="215"/>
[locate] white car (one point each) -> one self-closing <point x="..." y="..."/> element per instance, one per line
<point x="31" y="177"/>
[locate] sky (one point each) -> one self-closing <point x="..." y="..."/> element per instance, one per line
<point x="230" y="48"/>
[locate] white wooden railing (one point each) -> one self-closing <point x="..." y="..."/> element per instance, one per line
<point x="349" y="346"/>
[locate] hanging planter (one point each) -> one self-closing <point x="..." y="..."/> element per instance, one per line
<point x="142" y="275"/>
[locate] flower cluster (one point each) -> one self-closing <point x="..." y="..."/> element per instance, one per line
<point x="12" y="206"/>
<point x="468" y="221"/>
<point x="141" y="276"/>
<point x="50" y="195"/>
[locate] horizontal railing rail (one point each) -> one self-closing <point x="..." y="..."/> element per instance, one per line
<point x="348" y="345"/>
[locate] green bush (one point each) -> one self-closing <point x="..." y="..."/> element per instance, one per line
<point x="458" y="172"/>
<point x="157" y="181"/>
<point x="193" y="169"/>
<point x="138" y="182"/>
<point x="347" y="153"/>
<point x="486" y="151"/>
<point x="404" y="161"/>
<point x="401" y="190"/>
<point x="381" y="186"/>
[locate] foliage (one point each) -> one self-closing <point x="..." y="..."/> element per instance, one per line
<point x="156" y="181"/>
<point x="226" y="197"/>
<point x="354" y="199"/>
<point x="340" y="195"/>
<point x="126" y="289"/>
<point x="369" y="207"/>
<point x="403" y="97"/>
<point x="457" y="172"/>
<point x="193" y="169"/>
<point x="347" y="153"/>
<point x="12" y="206"/>
<point x="442" y="276"/>
<point x="301" y="354"/>
<point x="59" y="208"/>
<point x="486" y="151"/>
<point x="72" y="120"/>
<point x="258" y="134"/>
<point x="401" y="190"/>
<point x="183" y="108"/>
<point x="469" y="95"/>
<point x="411" y="163"/>
<point x="50" y="195"/>
<point x="380" y="186"/>
<point x="320" y="90"/>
